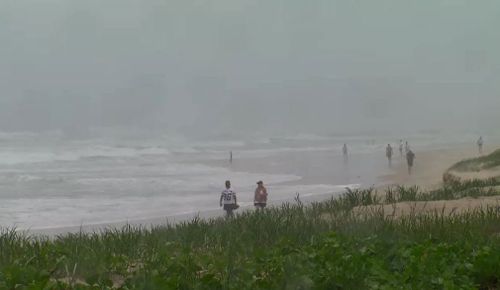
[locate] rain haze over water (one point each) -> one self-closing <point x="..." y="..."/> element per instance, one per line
<point x="115" y="110"/>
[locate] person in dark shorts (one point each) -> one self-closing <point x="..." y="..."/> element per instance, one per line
<point x="260" y="198"/>
<point x="410" y="156"/>
<point x="228" y="200"/>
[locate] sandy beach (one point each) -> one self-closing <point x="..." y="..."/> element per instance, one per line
<point x="428" y="174"/>
<point x="430" y="166"/>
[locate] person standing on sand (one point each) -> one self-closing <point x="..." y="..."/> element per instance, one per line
<point x="480" y="143"/>
<point x="228" y="200"/>
<point x="407" y="147"/>
<point x="410" y="156"/>
<point x="388" y="153"/>
<point x="230" y="156"/>
<point x="260" y="197"/>
<point x="401" y="146"/>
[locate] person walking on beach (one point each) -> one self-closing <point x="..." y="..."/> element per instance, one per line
<point x="401" y="146"/>
<point x="230" y="156"/>
<point x="407" y="147"/>
<point x="260" y="197"/>
<point x="228" y="200"/>
<point x="480" y="143"/>
<point x="410" y="156"/>
<point x="345" y="152"/>
<point x="388" y="153"/>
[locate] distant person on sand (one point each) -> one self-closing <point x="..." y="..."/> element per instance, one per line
<point x="228" y="200"/>
<point x="260" y="198"/>
<point x="410" y="156"/>
<point x="230" y="156"/>
<point x="401" y="146"/>
<point x="480" y="143"/>
<point x="345" y="152"/>
<point x="407" y="147"/>
<point x="388" y="153"/>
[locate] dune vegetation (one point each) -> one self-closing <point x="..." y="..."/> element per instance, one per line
<point x="477" y="164"/>
<point x="323" y="245"/>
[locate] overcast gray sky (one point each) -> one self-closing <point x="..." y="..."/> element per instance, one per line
<point x="250" y="65"/>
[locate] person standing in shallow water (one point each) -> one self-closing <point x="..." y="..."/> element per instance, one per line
<point x="388" y="153"/>
<point x="228" y="200"/>
<point x="410" y="157"/>
<point x="260" y="197"/>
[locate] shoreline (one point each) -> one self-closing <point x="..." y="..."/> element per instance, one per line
<point x="428" y="170"/>
<point x="149" y="223"/>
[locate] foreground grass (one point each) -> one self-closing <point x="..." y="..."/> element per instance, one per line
<point x="320" y="246"/>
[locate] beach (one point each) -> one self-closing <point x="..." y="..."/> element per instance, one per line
<point x="430" y="166"/>
<point x="439" y="222"/>
<point x="317" y="184"/>
<point x="50" y="184"/>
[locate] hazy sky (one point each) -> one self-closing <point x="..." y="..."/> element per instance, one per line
<point x="250" y="65"/>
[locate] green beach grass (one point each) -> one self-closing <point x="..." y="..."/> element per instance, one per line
<point x="319" y="246"/>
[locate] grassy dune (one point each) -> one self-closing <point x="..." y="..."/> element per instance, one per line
<point x="477" y="164"/>
<point x="320" y="246"/>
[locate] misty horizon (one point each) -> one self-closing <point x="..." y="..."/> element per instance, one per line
<point x="192" y="67"/>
